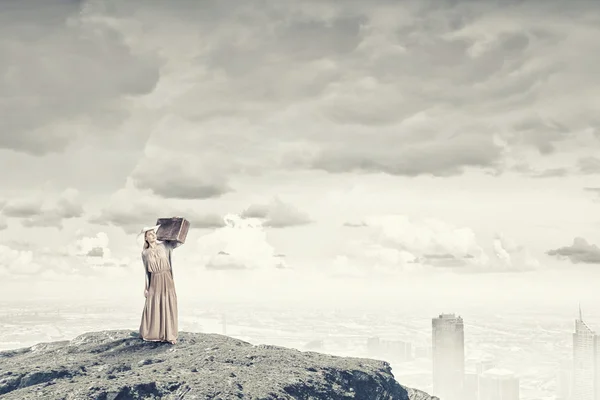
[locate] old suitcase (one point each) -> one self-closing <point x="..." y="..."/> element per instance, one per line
<point x="175" y="228"/>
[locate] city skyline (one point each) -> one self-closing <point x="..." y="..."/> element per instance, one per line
<point x="485" y="378"/>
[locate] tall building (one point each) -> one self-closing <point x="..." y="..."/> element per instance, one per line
<point x="586" y="368"/>
<point x="498" y="384"/>
<point x="471" y="386"/>
<point x="392" y="350"/>
<point x="448" y="354"/>
<point x="564" y="381"/>
<point x="484" y="365"/>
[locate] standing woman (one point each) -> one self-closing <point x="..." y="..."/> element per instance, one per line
<point x="159" y="319"/>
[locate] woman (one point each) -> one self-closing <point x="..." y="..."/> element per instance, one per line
<point x="159" y="319"/>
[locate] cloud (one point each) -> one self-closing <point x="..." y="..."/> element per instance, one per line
<point x="395" y="243"/>
<point x="85" y="257"/>
<point x="174" y="174"/>
<point x="277" y="214"/>
<point x="360" y="224"/>
<point x="438" y="157"/>
<point x="579" y="252"/>
<point x="65" y="69"/>
<point x="589" y="165"/>
<point x="241" y="245"/>
<point x="44" y="213"/>
<point x="3" y="223"/>
<point x="23" y="208"/>
<point x="131" y="209"/>
<point x="448" y="87"/>
<point x="550" y="173"/>
<point x="94" y="252"/>
<point x="594" y="190"/>
<point x="541" y="134"/>
<point x="17" y="262"/>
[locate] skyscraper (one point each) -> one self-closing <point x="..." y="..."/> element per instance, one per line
<point x="585" y="362"/>
<point x="498" y="384"/>
<point x="448" y="353"/>
<point x="564" y="380"/>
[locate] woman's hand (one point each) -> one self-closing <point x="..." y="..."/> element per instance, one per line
<point x="145" y="292"/>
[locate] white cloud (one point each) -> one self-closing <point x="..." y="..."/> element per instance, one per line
<point x="277" y="214"/>
<point x="395" y="243"/>
<point x="17" y="262"/>
<point x="513" y="255"/>
<point x="241" y="244"/>
<point x="95" y="253"/>
<point x="131" y="209"/>
<point x="45" y="211"/>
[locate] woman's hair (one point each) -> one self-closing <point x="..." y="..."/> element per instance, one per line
<point x="146" y="244"/>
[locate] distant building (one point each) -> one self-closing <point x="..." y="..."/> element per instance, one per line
<point x="471" y="381"/>
<point x="485" y="365"/>
<point x="586" y="366"/>
<point x="422" y="352"/>
<point x="564" y="381"/>
<point x="448" y="354"/>
<point x="498" y="384"/>
<point x="471" y="386"/>
<point x="392" y="350"/>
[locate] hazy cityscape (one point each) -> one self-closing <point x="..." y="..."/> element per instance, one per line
<point x="532" y="351"/>
<point x="414" y="181"/>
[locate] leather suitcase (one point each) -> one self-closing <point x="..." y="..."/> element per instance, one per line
<point x="174" y="228"/>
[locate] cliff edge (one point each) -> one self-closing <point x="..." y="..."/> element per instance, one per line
<point x="118" y="365"/>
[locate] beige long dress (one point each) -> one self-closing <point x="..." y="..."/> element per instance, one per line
<point x="159" y="319"/>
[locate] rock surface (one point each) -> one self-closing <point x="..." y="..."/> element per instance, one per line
<point x="118" y="365"/>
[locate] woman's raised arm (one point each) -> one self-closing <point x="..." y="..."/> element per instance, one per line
<point x="172" y="243"/>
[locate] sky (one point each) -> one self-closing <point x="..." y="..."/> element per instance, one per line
<point x="318" y="148"/>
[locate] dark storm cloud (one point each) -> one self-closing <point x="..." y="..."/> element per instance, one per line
<point x="579" y="252"/>
<point x="62" y="68"/>
<point x="277" y="214"/>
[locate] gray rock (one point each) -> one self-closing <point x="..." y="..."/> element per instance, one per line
<point x="118" y="365"/>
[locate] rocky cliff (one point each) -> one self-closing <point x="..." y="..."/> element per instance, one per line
<point x="117" y="365"/>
